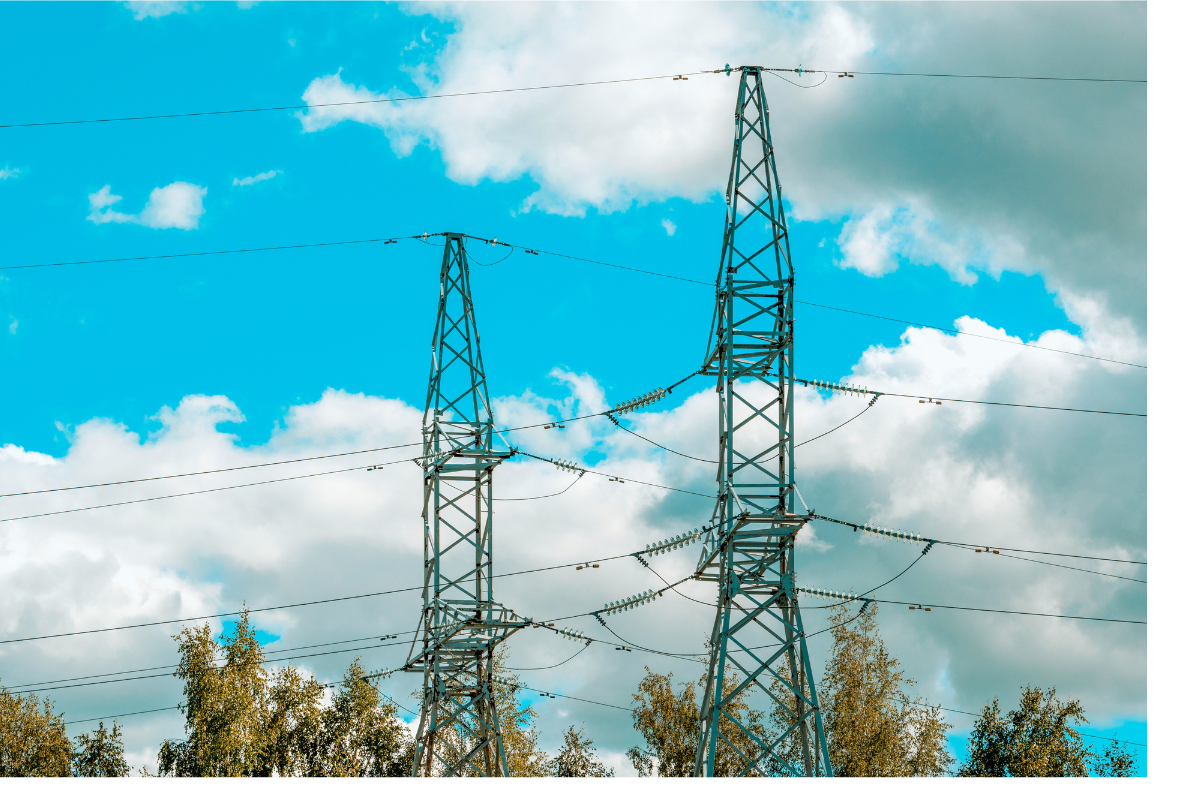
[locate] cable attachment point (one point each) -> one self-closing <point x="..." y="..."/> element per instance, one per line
<point x="866" y="603"/>
<point x="675" y="542"/>
<point x="928" y="547"/>
<point x="567" y="466"/>
<point x="641" y="598"/>
<point x="639" y="402"/>
<point x="641" y="560"/>
<point x="599" y="619"/>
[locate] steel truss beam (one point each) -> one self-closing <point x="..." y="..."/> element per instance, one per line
<point x="757" y="640"/>
<point x="461" y="625"/>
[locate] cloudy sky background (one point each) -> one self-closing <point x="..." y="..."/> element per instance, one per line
<point x="1009" y="209"/>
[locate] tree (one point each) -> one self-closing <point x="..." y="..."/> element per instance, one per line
<point x="670" y="724"/>
<point x="100" y="755"/>
<point x="576" y="758"/>
<point x="242" y="720"/>
<point x="872" y="727"/>
<point x="1038" y="739"/>
<point x="33" y="739"/>
<point x="225" y="706"/>
<point x="360" y="735"/>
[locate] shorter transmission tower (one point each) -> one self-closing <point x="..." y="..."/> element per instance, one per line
<point x="461" y="625"/>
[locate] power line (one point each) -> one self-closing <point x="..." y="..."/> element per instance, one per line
<point x="299" y="605"/>
<point x="958" y="332"/>
<point x="213" y="471"/>
<point x="267" y="650"/>
<point x="276" y="463"/>
<point x="536" y="251"/>
<point x="118" y="716"/>
<point x="853" y="72"/>
<point x="401" y="99"/>
<point x="206" y="491"/>
<point x="1043" y="408"/>
<point x="264" y="661"/>
<point x="924" y="398"/>
<point x="385" y="240"/>
<point x="856" y="526"/>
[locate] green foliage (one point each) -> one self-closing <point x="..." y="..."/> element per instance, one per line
<point x="241" y="720"/>
<point x="670" y="724"/>
<point x="359" y="735"/>
<point x="100" y="754"/>
<point x="33" y="739"/>
<point x="1039" y="739"/>
<point x="872" y="726"/>
<point x="576" y="758"/>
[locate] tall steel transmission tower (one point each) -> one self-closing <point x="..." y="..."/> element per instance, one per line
<point x="461" y="625"/>
<point x="758" y="638"/>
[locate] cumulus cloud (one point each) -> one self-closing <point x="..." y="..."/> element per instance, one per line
<point x="1007" y="477"/>
<point x="12" y="326"/>
<point x="669" y="227"/>
<point x="155" y="8"/>
<point x="259" y="178"/>
<point x="970" y="175"/>
<point x="176" y="205"/>
<point x="9" y="172"/>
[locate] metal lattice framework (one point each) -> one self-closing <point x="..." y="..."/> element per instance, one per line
<point x="757" y="640"/>
<point x="461" y="625"/>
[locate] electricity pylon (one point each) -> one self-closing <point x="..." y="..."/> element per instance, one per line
<point x="461" y="625"/>
<point x="758" y="637"/>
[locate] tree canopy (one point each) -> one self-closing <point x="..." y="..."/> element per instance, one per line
<point x="1039" y="739"/>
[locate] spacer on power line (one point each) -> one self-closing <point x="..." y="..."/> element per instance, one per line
<point x="639" y="402"/>
<point x="638" y="599"/>
<point x="675" y="542"/>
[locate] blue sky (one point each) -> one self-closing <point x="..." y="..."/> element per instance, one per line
<point x="960" y="216"/>
<point x="269" y="330"/>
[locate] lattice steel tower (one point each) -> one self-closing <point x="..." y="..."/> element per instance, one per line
<point x="758" y="637"/>
<point x="461" y="625"/>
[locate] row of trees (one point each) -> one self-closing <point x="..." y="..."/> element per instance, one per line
<point x="873" y="728"/>
<point x="34" y="743"/>
<point x="241" y="719"/>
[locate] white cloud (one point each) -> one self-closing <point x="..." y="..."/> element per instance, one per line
<point x="176" y="205"/>
<point x="1004" y="176"/>
<point x="9" y="172"/>
<point x="155" y="8"/>
<point x="259" y="178"/>
<point x="669" y="227"/>
<point x="873" y="242"/>
<point x="12" y="326"/>
<point x="1009" y="477"/>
